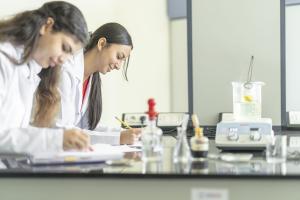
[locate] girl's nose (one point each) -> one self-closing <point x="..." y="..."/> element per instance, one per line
<point x="63" y="58"/>
<point x="118" y="66"/>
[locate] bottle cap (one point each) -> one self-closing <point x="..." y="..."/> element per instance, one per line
<point x="198" y="132"/>
<point x="151" y="110"/>
<point x="195" y="120"/>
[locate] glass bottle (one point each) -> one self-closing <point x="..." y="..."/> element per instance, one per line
<point x="152" y="137"/>
<point x="199" y="144"/>
<point x="181" y="154"/>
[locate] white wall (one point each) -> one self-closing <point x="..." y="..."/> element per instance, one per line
<point x="225" y="35"/>
<point x="292" y="58"/>
<point x="179" y="65"/>
<point x="149" y="69"/>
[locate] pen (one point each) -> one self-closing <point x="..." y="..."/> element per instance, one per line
<point x="123" y="123"/>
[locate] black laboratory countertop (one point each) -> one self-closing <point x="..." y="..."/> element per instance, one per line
<point x="133" y="167"/>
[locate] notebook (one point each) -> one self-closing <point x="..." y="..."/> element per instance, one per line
<point x="101" y="153"/>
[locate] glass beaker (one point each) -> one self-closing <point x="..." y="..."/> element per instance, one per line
<point x="276" y="149"/>
<point x="181" y="153"/>
<point x="247" y="100"/>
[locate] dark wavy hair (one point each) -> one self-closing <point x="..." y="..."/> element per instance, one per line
<point x="23" y="30"/>
<point x="114" y="33"/>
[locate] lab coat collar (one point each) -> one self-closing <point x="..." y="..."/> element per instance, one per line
<point x="16" y="52"/>
<point x="87" y="96"/>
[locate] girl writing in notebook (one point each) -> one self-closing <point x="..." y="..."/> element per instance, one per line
<point x="109" y="49"/>
<point x="33" y="44"/>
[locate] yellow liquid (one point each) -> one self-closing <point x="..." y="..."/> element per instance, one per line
<point x="248" y="98"/>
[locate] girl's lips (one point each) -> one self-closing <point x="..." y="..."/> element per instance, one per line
<point x="109" y="68"/>
<point x="52" y="63"/>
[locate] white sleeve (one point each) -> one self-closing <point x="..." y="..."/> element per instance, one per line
<point x="5" y="72"/>
<point x="106" y="137"/>
<point x="67" y="113"/>
<point x="31" y="140"/>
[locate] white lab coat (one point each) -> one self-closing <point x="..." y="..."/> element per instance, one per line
<point x="73" y="110"/>
<point x="17" y="86"/>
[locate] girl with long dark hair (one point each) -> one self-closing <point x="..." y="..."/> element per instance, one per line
<point x="33" y="44"/>
<point x="108" y="49"/>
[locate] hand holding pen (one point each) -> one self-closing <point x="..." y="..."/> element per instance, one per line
<point x="129" y="136"/>
<point x="123" y="123"/>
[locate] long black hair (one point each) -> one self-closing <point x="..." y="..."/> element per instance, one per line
<point x="114" y="33"/>
<point x="24" y="30"/>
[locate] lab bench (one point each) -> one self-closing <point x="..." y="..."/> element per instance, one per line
<point x="255" y="179"/>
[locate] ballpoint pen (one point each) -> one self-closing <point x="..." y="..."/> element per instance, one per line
<point x="123" y="123"/>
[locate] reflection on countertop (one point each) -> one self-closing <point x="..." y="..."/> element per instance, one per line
<point x="133" y="165"/>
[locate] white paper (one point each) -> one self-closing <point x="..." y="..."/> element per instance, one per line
<point x="102" y="152"/>
<point x="121" y="148"/>
<point x="137" y="144"/>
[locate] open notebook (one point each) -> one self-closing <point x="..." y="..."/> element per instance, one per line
<point x="101" y="153"/>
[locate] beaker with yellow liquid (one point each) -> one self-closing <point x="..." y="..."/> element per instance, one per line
<point x="247" y="100"/>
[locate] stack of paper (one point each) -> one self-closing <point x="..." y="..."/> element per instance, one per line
<point x="103" y="137"/>
<point x="121" y="148"/>
<point x="100" y="153"/>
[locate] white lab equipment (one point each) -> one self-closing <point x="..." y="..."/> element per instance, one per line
<point x="244" y="135"/>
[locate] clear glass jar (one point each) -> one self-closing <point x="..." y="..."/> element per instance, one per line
<point x="152" y="142"/>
